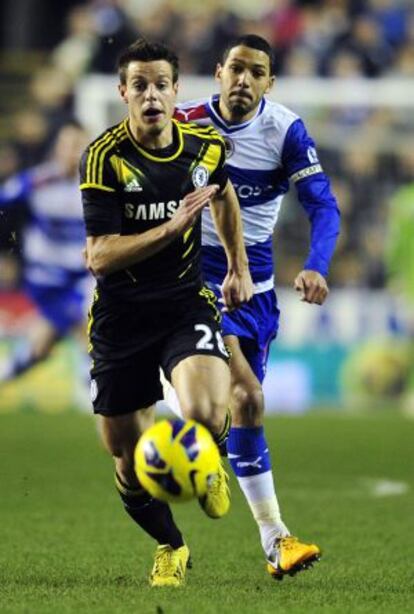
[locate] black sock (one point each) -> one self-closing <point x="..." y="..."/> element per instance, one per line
<point x="153" y="516"/>
<point x="221" y="438"/>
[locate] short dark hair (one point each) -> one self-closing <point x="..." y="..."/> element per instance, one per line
<point x="144" y="51"/>
<point x="254" y="42"/>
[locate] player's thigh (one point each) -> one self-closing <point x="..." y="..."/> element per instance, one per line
<point x="121" y="433"/>
<point x="42" y="336"/>
<point x="195" y="361"/>
<point x="247" y="402"/>
<point x="255" y="325"/>
<point x="202" y="381"/>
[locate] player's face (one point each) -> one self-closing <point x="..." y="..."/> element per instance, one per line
<point x="70" y="143"/>
<point x="150" y="94"/>
<point x="244" y="79"/>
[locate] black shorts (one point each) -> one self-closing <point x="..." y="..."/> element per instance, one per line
<point x="128" y="347"/>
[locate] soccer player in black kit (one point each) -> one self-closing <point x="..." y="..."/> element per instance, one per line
<point x="144" y="184"/>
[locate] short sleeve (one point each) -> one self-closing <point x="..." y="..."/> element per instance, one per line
<point x="299" y="156"/>
<point x="98" y="184"/>
<point x="220" y="175"/>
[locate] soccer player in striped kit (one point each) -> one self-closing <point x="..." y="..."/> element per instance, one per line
<point x="267" y="147"/>
<point x="54" y="273"/>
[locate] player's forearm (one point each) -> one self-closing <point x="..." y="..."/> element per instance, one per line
<point x="110" y="253"/>
<point x="325" y="225"/>
<point x="225" y="211"/>
<point x="322" y="210"/>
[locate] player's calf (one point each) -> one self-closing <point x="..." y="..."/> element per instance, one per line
<point x="249" y="456"/>
<point x="153" y="516"/>
<point x="120" y="435"/>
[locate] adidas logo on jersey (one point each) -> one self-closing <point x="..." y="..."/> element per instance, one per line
<point x="133" y="186"/>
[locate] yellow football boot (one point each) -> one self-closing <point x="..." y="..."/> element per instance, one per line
<point x="291" y="556"/>
<point x="170" y="566"/>
<point x="216" y="503"/>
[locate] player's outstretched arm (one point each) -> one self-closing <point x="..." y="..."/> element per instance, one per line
<point x="301" y="164"/>
<point x="225" y="210"/>
<point x="312" y="287"/>
<point x="107" y="254"/>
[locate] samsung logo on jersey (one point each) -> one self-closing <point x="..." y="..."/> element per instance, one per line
<point x="152" y="211"/>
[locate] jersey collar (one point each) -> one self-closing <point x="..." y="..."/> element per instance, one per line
<point x="228" y="127"/>
<point x="147" y="153"/>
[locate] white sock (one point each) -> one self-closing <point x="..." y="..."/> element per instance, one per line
<point x="260" y="494"/>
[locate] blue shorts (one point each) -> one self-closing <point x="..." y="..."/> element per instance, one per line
<point x="255" y="324"/>
<point x="63" y="307"/>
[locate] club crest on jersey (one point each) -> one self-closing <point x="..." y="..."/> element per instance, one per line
<point x="312" y="155"/>
<point x="229" y="146"/>
<point x="200" y="176"/>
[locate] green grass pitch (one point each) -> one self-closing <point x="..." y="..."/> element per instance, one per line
<point x="345" y="482"/>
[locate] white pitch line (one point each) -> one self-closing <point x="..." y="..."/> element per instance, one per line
<point x="386" y="488"/>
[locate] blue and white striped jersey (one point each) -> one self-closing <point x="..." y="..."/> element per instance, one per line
<point x="54" y="235"/>
<point x="264" y="154"/>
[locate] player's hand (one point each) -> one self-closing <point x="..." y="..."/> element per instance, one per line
<point x="86" y="258"/>
<point x="237" y="289"/>
<point x="312" y="287"/>
<point x="191" y="207"/>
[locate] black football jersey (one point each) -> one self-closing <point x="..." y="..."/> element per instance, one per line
<point x="129" y="189"/>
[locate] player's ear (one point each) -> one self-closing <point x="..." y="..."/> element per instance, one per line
<point x="175" y="87"/>
<point x="271" y="83"/>
<point x="122" y="89"/>
<point x="218" y="72"/>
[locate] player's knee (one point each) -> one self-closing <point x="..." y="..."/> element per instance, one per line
<point x="217" y="418"/>
<point x="123" y="456"/>
<point x="208" y="412"/>
<point x="42" y="346"/>
<point x="125" y="469"/>
<point x="247" y="405"/>
<point x="118" y="447"/>
<point x="114" y="448"/>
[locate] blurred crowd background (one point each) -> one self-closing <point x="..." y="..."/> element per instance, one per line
<point x="47" y="47"/>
